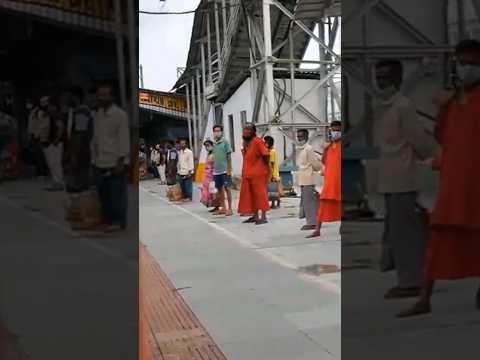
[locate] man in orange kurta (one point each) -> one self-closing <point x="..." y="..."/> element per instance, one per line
<point x="255" y="177"/>
<point x="330" y="209"/>
<point x="454" y="245"/>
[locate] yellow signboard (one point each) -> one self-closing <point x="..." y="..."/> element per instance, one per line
<point x="169" y="102"/>
<point x="102" y="9"/>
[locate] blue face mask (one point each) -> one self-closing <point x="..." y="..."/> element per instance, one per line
<point x="335" y="135"/>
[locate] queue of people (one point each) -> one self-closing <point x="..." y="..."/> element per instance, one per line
<point x="82" y="147"/>
<point x="261" y="185"/>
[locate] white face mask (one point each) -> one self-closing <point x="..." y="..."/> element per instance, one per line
<point x="469" y="74"/>
<point x="387" y="93"/>
<point x="336" y="135"/>
<point x="301" y="142"/>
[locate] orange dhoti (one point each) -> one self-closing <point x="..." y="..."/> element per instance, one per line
<point x="329" y="211"/>
<point x="454" y="246"/>
<point x="253" y="196"/>
<point x="453" y="253"/>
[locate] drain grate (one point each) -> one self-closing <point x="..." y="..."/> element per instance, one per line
<point x="356" y="243"/>
<point x="319" y="269"/>
<point x="359" y="264"/>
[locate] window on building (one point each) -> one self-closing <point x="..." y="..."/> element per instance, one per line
<point x="219" y="115"/>
<point x="231" y="131"/>
<point x="243" y="116"/>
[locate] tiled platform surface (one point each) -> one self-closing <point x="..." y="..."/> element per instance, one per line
<point x="173" y="331"/>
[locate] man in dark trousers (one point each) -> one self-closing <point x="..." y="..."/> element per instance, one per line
<point x="111" y="158"/>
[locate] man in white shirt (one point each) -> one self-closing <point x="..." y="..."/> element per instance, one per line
<point x="400" y="141"/>
<point x="308" y="163"/>
<point x="111" y="157"/>
<point x="186" y="169"/>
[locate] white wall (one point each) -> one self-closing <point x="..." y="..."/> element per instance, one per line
<point x="242" y="100"/>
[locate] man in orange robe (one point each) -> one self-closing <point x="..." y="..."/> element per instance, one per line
<point x="454" y="245"/>
<point x="255" y="177"/>
<point x="330" y="209"/>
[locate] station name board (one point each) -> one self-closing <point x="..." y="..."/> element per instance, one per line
<point x="102" y="9"/>
<point x="173" y="103"/>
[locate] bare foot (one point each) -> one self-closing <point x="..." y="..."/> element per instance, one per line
<point x="419" y="308"/>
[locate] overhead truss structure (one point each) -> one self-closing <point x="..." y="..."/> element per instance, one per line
<point x="265" y="40"/>
<point x="418" y="33"/>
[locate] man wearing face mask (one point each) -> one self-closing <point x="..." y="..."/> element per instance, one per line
<point x="222" y="170"/>
<point x="454" y="239"/>
<point x="308" y="163"/>
<point x="399" y="139"/>
<point x="256" y="175"/>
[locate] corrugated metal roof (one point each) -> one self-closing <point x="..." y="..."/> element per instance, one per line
<point x="310" y="11"/>
<point x="98" y="17"/>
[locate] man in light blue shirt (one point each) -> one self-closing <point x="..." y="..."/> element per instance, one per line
<point x="222" y="170"/>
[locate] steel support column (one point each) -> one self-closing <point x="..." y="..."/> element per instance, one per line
<point x="189" y="116"/>
<point x="199" y="105"/>
<point x="217" y="35"/>
<point x="194" y="118"/>
<point x="224" y="17"/>
<point x="120" y="54"/>
<point x="269" y="92"/>
<point x="209" y="50"/>
<point x="292" y="71"/>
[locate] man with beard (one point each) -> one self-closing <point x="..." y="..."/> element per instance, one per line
<point x="256" y="174"/>
<point x="111" y="157"/>
<point x="308" y="163"/>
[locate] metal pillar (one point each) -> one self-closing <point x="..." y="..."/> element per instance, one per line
<point x="323" y="72"/>
<point x="199" y="106"/>
<point x="194" y="118"/>
<point x="292" y="72"/>
<point x="120" y="54"/>
<point x="217" y="34"/>
<point x="204" y="75"/>
<point x="209" y="50"/>
<point x="269" y="92"/>
<point x="132" y="57"/>
<point x="224" y="17"/>
<point x="253" y="72"/>
<point x="189" y="116"/>
<point x="462" y="31"/>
